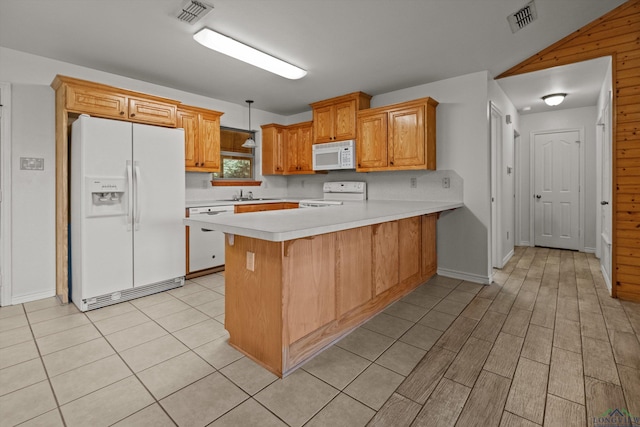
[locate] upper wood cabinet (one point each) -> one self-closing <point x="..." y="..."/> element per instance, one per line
<point x="201" y="138"/>
<point x="273" y="149"/>
<point x="286" y="150"/>
<point x="335" y="119"/>
<point x="155" y="113"/>
<point x="397" y="137"/>
<point x="84" y="97"/>
<point x="297" y="142"/>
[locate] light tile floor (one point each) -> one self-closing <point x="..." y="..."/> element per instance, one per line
<point x="543" y="345"/>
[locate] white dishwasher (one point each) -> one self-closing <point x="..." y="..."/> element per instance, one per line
<point x="206" y="246"/>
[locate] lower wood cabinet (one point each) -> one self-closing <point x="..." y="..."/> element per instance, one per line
<point x="299" y="296"/>
<point x="309" y="287"/>
<point x="354" y="275"/>
<point x="385" y="256"/>
<point x="261" y="207"/>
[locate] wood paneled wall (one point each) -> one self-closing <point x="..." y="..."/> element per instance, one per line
<point x="615" y="34"/>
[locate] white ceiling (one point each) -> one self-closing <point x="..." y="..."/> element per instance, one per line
<point x="375" y="46"/>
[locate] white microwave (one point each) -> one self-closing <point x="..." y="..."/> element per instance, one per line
<point x="334" y="155"/>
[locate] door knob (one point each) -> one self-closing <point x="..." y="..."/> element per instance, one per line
<point x="538" y="196"/>
<point x="604" y="202"/>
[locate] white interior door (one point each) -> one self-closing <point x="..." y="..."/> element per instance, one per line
<point x="605" y="203"/>
<point x="5" y="200"/>
<point x="159" y="236"/>
<point x="557" y="190"/>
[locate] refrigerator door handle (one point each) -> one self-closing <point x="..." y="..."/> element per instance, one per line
<point x="129" y="195"/>
<point x="137" y="202"/>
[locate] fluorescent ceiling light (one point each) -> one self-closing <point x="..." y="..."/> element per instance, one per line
<point x="235" y="49"/>
<point x="554" y="99"/>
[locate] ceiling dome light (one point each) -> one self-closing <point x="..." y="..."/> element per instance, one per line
<point x="554" y="99"/>
<point x="248" y="54"/>
<point x="249" y="143"/>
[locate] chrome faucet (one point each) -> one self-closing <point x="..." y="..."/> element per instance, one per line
<point x="250" y="195"/>
<point x="241" y="193"/>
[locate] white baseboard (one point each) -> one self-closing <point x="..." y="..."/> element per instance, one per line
<point x="475" y="278"/>
<point x="32" y="297"/>
<point x="507" y="257"/>
<point x="524" y="243"/>
<point x="607" y="279"/>
<point x="590" y="250"/>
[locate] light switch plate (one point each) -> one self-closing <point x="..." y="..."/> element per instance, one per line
<point x="31" y="163"/>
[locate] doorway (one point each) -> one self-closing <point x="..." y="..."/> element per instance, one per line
<point x="557" y="179"/>
<point x="604" y="124"/>
<point x="5" y="195"/>
<point x="496" y="186"/>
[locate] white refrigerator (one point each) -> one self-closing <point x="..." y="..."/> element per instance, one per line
<point x="127" y="206"/>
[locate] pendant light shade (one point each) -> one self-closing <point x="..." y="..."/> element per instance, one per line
<point x="249" y="143"/>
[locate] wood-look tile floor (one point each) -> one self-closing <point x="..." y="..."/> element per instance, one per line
<point x="543" y="345"/>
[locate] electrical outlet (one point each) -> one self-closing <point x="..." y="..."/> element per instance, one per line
<point x="445" y="182"/>
<point x="414" y="183"/>
<point x="251" y="261"/>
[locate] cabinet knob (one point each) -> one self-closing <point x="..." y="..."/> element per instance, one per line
<point x="122" y="113"/>
<point x="133" y="114"/>
<point x="391" y="163"/>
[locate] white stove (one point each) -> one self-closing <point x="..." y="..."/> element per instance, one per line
<point x="335" y="193"/>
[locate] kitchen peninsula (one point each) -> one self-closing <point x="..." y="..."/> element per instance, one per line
<point x="298" y="280"/>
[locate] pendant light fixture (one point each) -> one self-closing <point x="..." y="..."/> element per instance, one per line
<point x="249" y="143"/>
<point x="554" y="99"/>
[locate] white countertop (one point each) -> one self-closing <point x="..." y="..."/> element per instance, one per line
<point x="289" y="224"/>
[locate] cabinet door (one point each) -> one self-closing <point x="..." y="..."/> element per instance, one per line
<point x="345" y="120"/>
<point x="385" y="256"/>
<point x="429" y="255"/>
<point x="309" y="284"/>
<point x="409" y="242"/>
<point x="258" y="207"/>
<point x="209" y="139"/>
<point x="291" y="150"/>
<point x="323" y="124"/>
<point x="305" y="142"/>
<point x="272" y="141"/>
<point x="371" y="151"/>
<point x="188" y="121"/>
<point x="155" y="113"/>
<point x="406" y="137"/>
<point x="353" y="269"/>
<point x="96" y="102"/>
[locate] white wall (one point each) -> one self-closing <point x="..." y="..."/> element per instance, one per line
<point x="462" y="129"/>
<point x="33" y="194"/>
<point x="575" y="118"/>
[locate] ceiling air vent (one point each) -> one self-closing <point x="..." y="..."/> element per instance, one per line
<point x="193" y="11"/>
<point x="523" y="17"/>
